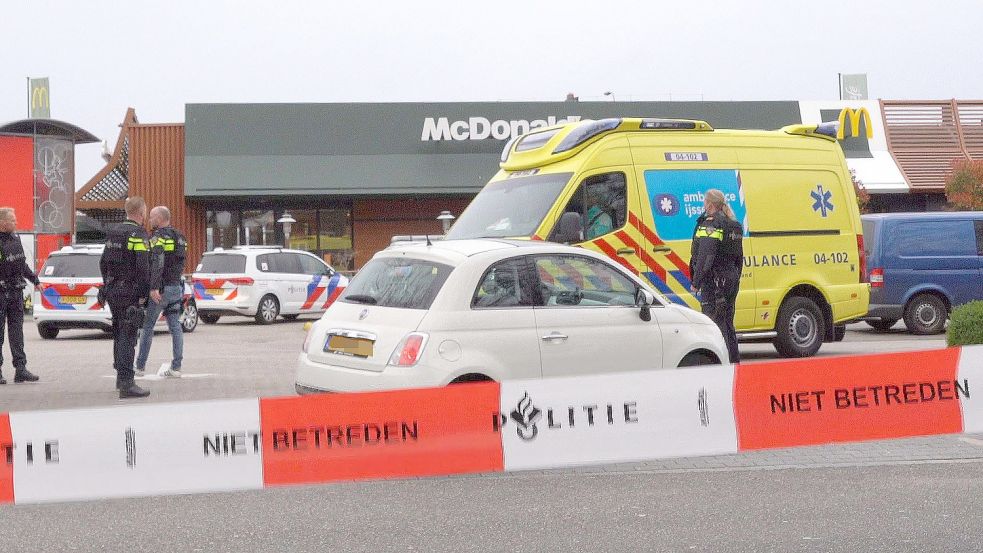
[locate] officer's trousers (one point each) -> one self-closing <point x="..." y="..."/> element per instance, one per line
<point x="12" y="316"/>
<point x="124" y="340"/>
<point x="719" y="302"/>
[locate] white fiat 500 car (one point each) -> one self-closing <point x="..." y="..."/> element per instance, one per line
<point x="422" y="315"/>
<point x="264" y="282"/>
<point x="70" y="281"/>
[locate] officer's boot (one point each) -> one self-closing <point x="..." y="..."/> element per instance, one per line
<point x="130" y="389"/>
<point x="24" y="375"/>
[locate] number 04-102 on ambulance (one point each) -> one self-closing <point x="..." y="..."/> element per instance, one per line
<point x="634" y="188"/>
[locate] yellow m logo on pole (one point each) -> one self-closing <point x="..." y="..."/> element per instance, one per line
<point x="40" y="98"/>
<point x="854" y="116"/>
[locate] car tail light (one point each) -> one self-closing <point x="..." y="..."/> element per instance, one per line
<point x="877" y="278"/>
<point x="409" y="350"/>
<point x="242" y="281"/>
<point x="862" y="255"/>
<point x="307" y="339"/>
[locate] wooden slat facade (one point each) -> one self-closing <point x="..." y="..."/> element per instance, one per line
<point x="157" y="174"/>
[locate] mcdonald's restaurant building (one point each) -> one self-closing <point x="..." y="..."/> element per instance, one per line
<point x="354" y="175"/>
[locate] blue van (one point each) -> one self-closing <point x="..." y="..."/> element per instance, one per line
<point x="921" y="265"/>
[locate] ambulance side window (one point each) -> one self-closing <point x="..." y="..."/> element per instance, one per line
<point x="601" y="201"/>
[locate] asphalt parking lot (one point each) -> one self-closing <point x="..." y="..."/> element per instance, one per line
<point x="237" y="358"/>
<point x="903" y="494"/>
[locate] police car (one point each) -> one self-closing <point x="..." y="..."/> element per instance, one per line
<point x="432" y="314"/>
<point x="264" y="282"/>
<point x="70" y="282"/>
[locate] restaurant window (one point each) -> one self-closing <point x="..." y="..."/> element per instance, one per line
<point x="335" y="238"/>
<point x="259" y="228"/>
<point x="303" y="233"/>
<point x="221" y="229"/>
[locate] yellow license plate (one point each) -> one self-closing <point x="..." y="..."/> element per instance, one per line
<point x="73" y="300"/>
<point x="215" y="291"/>
<point x="358" y="347"/>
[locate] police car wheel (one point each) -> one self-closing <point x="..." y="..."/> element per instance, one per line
<point x="269" y="310"/>
<point x="209" y="318"/>
<point x="926" y="314"/>
<point x="800" y="328"/>
<point x="47" y="332"/>
<point x="189" y="319"/>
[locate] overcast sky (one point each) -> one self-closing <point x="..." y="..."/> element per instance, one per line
<point x="103" y="57"/>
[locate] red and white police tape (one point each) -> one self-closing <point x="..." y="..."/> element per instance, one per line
<point x="580" y="420"/>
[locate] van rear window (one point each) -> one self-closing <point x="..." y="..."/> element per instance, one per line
<point x="222" y="263"/>
<point x="71" y="266"/>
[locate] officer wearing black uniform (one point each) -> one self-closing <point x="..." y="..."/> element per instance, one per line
<point x="125" y="267"/>
<point x="716" y="261"/>
<point x="13" y="272"/>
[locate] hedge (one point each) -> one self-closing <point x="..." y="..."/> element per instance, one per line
<point x="966" y="324"/>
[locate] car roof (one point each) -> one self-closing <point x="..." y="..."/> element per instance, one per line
<point x="454" y="252"/>
<point x="925" y="215"/>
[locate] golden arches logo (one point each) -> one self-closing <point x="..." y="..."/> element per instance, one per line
<point x="854" y="116"/>
<point x="39" y="97"/>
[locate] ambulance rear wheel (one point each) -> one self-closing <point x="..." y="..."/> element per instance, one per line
<point x="800" y="328"/>
<point x="47" y="332"/>
<point x="882" y="325"/>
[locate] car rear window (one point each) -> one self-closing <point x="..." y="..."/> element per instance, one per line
<point x="404" y="283"/>
<point x="72" y="266"/>
<point x="222" y="263"/>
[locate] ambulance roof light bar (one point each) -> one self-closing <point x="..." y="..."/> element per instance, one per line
<point x="584" y="132"/>
<point x="675" y="125"/>
<point x="826" y="131"/>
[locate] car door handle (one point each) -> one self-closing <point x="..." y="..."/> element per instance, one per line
<point x="662" y="249"/>
<point x="626" y="251"/>
<point x="555" y="337"/>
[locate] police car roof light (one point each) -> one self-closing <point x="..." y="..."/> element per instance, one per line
<point x="584" y="132"/>
<point x="674" y="125"/>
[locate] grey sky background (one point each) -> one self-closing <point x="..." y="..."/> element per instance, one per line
<point x="103" y="57"/>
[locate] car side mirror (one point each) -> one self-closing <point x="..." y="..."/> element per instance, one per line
<point x="570" y="229"/>
<point x="644" y="300"/>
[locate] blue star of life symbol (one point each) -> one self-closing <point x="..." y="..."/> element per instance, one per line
<point x="822" y="203"/>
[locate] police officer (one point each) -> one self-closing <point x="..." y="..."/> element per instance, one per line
<point x="125" y="266"/>
<point x="167" y="252"/>
<point x="716" y="261"/>
<point x="13" y="271"/>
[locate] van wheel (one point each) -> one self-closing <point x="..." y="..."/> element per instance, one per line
<point x="697" y="358"/>
<point x="209" y="318"/>
<point x="800" y="328"/>
<point x="269" y="310"/>
<point x="926" y="314"/>
<point x="882" y="325"/>
<point x="47" y="332"/>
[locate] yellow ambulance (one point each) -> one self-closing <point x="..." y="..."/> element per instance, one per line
<point x="633" y="189"/>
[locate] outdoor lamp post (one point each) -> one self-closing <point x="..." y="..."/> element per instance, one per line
<point x="611" y="94"/>
<point x="445" y="219"/>
<point x="287" y="220"/>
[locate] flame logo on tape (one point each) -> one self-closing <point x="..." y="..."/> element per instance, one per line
<point x="131" y="448"/>
<point x="525" y="416"/>
<point x="701" y="402"/>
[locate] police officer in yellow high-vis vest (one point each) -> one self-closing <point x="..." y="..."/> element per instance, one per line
<point x="716" y="260"/>
<point x="125" y="267"/>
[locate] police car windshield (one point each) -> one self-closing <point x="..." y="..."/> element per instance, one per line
<point x="510" y="207"/>
<point x="71" y="266"/>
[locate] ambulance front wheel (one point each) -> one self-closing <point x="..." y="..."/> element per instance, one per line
<point x="800" y="328"/>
